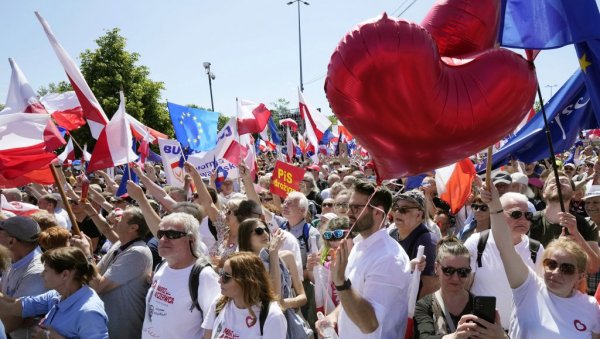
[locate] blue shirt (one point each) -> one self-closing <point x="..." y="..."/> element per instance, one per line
<point x="81" y="315"/>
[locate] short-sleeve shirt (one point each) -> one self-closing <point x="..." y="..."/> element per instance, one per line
<point x="81" y="315"/>
<point x="543" y="231"/>
<point x="234" y="322"/>
<point x="421" y="236"/>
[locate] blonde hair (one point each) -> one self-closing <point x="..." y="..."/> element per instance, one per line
<point x="571" y="248"/>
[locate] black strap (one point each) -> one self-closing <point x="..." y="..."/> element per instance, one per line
<point x="534" y="246"/>
<point x="483" y="238"/>
<point x="194" y="282"/>
<point x="262" y="317"/>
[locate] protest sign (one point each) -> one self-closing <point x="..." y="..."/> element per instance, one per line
<point x="286" y="178"/>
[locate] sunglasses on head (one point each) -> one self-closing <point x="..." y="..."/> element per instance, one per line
<point x="260" y="231"/>
<point x="170" y="234"/>
<point x="564" y="268"/>
<point x="225" y="277"/>
<point x="479" y="207"/>
<point x="403" y="209"/>
<point x="462" y="272"/>
<point x="336" y="234"/>
<point x="327" y="204"/>
<point x="519" y="214"/>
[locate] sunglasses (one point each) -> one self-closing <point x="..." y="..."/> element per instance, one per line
<point x="225" y="277"/>
<point x="462" y="272"/>
<point x="327" y="204"/>
<point x="478" y="207"/>
<point x="403" y="209"/>
<point x="342" y="205"/>
<point x="170" y="234"/>
<point x="336" y="234"/>
<point x="260" y="231"/>
<point x="518" y="214"/>
<point x="564" y="268"/>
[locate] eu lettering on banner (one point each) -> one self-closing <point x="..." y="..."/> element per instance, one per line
<point x="286" y="178"/>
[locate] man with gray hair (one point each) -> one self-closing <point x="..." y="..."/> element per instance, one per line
<point x="24" y="277"/>
<point x="172" y="309"/>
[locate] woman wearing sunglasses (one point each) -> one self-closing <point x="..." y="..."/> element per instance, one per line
<point x="480" y="222"/>
<point x="254" y="237"/>
<point x="447" y="313"/>
<point x="548" y="306"/>
<point x="489" y="277"/>
<point x="247" y="307"/>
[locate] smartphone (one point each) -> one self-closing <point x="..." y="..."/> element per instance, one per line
<point x="485" y="308"/>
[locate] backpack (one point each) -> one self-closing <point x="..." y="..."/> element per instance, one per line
<point x="534" y="246"/>
<point x="193" y="282"/>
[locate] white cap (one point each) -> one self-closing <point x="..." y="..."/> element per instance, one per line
<point x="592" y="192"/>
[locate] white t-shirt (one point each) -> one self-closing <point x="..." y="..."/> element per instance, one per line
<point x="233" y="322"/>
<point x="490" y="279"/>
<point x="541" y="314"/>
<point x="168" y="303"/>
<point x="379" y="271"/>
<point x="61" y="221"/>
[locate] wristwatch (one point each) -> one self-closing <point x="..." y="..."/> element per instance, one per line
<point x="345" y="286"/>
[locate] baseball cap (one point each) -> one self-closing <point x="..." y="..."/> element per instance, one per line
<point x="501" y="177"/>
<point x="313" y="168"/>
<point x="413" y="196"/>
<point x="592" y="192"/>
<point x="521" y="178"/>
<point x="23" y="228"/>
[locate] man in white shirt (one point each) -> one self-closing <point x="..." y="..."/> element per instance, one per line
<point x="371" y="278"/>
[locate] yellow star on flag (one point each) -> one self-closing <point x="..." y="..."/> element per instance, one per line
<point x="584" y="63"/>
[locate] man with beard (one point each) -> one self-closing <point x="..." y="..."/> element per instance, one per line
<point x="551" y="222"/>
<point x="371" y="277"/>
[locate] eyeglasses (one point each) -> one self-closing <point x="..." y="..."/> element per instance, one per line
<point x="225" y="277"/>
<point x="462" y="272"/>
<point x="341" y="205"/>
<point x="356" y="208"/>
<point x="518" y="214"/>
<point x="260" y="231"/>
<point x="564" y="268"/>
<point x="170" y="234"/>
<point x="327" y="204"/>
<point x="478" y="207"/>
<point x="403" y="209"/>
<point x="336" y="234"/>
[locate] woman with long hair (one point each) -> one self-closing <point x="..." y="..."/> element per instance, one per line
<point x="247" y="307"/>
<point x="548" y="306"/>
<point x="70" y="308"/>
<point x="447" y="313"/>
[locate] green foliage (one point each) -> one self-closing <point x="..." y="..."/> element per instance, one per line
<point x="110" y="68"/>
<point x="223" y="119"/>
<point x="333" y="119"/>
<point x="61" y="87"/>
<point x="279" y="107"/>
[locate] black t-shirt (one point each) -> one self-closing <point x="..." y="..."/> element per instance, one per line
<point x="544" y="232"/>
<point x="88" y="227"/>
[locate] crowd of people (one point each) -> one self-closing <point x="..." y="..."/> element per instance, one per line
<point x="231" y="259"/>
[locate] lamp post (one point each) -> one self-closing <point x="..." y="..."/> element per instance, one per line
<point x="299" y="39"/>
<point x="551" y="86"/>
<point x="211" y="77"/>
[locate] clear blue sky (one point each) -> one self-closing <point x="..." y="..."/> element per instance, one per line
<point x="252" y="45"/>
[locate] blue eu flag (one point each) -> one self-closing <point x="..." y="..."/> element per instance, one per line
<point x="195" y="129"/>
<point x="546" y="24"/>
<point x="589" y="61"/>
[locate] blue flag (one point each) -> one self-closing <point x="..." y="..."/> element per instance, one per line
<point x="569" y="111"/>
<point x="546" y="24"/>
<point x="589" y="60"/>
<point x="195" y="128"/>
<point x="123" y="186"/>
<point x="153" y="157"/>
<point x="274" y="132"/>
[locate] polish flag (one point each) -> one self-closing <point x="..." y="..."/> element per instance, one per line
<point x="114" y="146"/>
<point x="86" y="155"/>
<point x="252" y="117"/>
<point x="139" y="131"/>
<point x="41" y="176"/>
<point x="68" y="153"/>
<point x="17" y="207"/>
<point x="290" y="146"/>
<point x="144" y="148"/>
<point x="315" y="122"/>
<point x="92" y="111"/>
<point x="65" y="109"/>
<point x="454" y="183"/>
<point x="21" y="98"/>
<point x="231" y="145"/>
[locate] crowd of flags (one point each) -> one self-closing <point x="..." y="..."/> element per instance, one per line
<point x="32" y="128"/>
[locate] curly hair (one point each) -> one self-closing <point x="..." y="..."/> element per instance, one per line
<point x="249" y="272"/>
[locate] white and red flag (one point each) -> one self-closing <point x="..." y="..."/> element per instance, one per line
<point x="92" y="111"/>
<point x="17" y="207"/>
<point x="454" y="183"/>
<point x="68" y="153"/>
<point x="115" y="143"/>
<point x="315" y="122"/>
<point x="252" y="117"/>
<point x="21" y="98"/>
<point x="65" y="109"/>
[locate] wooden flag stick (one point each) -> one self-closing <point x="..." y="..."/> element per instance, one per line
<point x="63" y="195"/>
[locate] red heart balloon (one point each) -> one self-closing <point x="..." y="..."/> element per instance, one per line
<point x="414" y="111"/>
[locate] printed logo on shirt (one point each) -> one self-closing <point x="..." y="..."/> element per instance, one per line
<point x="579" y="326"/>
<point x="228" y="334"/>
<point x="163" y="294"/>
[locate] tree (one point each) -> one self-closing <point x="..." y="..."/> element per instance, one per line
<point x="110" y="68"/>
<point x="333" y="119"/>
<point x="61" y="87"/>
<point x="280" y="107"/>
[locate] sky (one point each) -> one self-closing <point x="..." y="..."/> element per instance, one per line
<point x="252" y="45"/>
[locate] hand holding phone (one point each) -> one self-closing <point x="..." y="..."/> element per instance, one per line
<point x="485" y="308"/>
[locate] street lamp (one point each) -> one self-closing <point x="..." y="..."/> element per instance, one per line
<point x="299" y="39"/>
<point x="211" y="77"/>
<point x="551" y="86"/>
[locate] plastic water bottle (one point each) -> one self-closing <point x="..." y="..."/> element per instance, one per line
<point x="328" y="331"/>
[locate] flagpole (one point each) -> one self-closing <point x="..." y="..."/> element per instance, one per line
<point x="63" y="196"/>
<point x="237" y="131"/>
<point x="75" y="141"/>
<point x="488" y="174"/>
